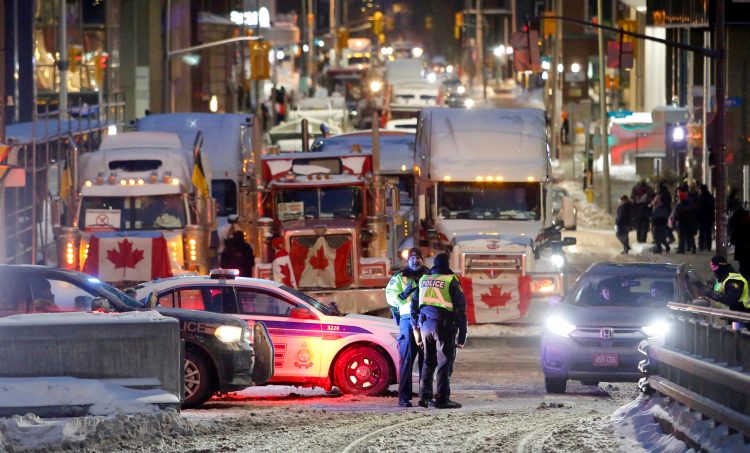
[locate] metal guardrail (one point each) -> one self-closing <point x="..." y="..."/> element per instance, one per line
<point x="704" y="364"/>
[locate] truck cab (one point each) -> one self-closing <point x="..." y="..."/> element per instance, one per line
<point x="484" y="197"/>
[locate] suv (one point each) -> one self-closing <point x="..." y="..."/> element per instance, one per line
<point x="220" y="354"/>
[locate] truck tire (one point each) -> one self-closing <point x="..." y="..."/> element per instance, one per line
<point x="555" y="385"/>
<point x="362" y="370"/>
<point x="199" y="383"/>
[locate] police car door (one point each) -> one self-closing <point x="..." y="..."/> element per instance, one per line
<point x="295" y="332"/>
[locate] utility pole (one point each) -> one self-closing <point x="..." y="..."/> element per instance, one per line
<point x="3" y="94"/>
<point x="257" y="83"/>
<point x="706" y="105"/>
<point x="720" y="133"/>
<point x="480" y="48"/>
<point x="556" y="51"/>
<point x="333" y="31"/>
<point x="311" y="42"/>
<point x="63" y="96"/>
<point x="603" y="135"/>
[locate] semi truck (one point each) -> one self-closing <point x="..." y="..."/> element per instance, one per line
<point x="483" y="196"/>
<point x="136" y="213"/>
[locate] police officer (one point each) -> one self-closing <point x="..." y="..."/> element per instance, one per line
<point x="730" y="288"/>
<point x="402" y="285"/>
<point x="440" y="309"/>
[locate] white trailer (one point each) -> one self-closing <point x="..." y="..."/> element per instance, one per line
<point x="484" y="196"/>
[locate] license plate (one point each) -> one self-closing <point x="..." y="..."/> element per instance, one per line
<point x="606" y="360"/>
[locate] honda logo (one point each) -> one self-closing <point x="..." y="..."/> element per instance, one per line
<point x="607" y="333"/>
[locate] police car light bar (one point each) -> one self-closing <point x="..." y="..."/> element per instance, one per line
<point x="225" y="274"/>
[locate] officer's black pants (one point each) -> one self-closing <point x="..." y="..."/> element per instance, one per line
<point x="408" y="351"/>
<point x="439" y="339"/>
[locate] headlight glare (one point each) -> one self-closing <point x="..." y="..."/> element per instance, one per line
<point x="559" y="326"/>
<point x="558" y="260"/>
<point x="229" y="334"/>
<point x="657" y="329"/>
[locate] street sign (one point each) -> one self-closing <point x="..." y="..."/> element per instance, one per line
<point x="733" y="101"/>
<point x="619" y="114"/>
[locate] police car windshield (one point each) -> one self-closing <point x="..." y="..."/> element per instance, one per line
<point x="325" y="309"/>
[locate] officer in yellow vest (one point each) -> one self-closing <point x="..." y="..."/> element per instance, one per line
<point x="730" y="288"/>
<point x="439" y="309"/>
<point x="398" y="294"/>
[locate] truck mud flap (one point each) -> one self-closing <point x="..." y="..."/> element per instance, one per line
<point x="263" y="369"/>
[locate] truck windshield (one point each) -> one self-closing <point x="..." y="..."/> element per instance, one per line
<point x="319" y="202"/>
<point x="489" y="200"/>
<point x="160" y="212"/>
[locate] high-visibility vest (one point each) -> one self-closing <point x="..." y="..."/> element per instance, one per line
<point x="745" y="297"/>
<point x="435" y="290"/>
<point x="396" y="286"/>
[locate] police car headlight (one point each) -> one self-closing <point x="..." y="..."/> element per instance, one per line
<point x="229" y="334"/>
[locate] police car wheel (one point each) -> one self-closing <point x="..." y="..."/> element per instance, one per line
<point x="198" y="386"/>
<point x="362" y="370"/>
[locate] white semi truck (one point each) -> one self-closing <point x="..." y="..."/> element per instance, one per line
<point x="136" y="213"/>
<point x="484" y="197"/>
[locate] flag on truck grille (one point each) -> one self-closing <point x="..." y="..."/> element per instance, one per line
<point x="132" y="257"/>
<point x="502" y="299"/>
<point x="322" y="261"/>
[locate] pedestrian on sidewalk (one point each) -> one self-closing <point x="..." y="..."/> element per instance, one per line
<point x="623" y="222"/>
<point x="565" y="129"/>
<point x="641" y="195"/>
<point x="683" y="219"/>
<point x="659" y="218"/>
<point x="706" y="215"/>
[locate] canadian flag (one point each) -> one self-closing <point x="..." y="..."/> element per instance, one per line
<point x="282" y="269"/>
<point x="321" y="266"/>
<point x="133" y="257"/>
<point x="501" y="299"/>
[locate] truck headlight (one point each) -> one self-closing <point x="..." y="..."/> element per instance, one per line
<point x="559" y="326"/>
<point x="229" y="334"/>
<point x="543" y="285"/>
<point x="558" y="260"/>
<point x="657" y="329"/>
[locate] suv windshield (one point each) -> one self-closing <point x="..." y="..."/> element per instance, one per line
<point x="159" y="212"/>
<point x="324" y="202"/>
<point x="490" y="200"/>
<point x="624" y="291"/>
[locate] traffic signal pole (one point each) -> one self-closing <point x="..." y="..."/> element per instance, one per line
<point x="603" y="133"/>
<point x="720" y="133"/>
<point x="63" y="65"/>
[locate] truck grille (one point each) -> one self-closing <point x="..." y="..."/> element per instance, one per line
<point x="311" y="256"/>
<point x="476" y="264"/>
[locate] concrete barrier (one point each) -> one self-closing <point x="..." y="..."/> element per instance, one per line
<point x="142" y="348"/>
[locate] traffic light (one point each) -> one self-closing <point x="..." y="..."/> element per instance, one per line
<point x="75" y="57"/>
<point x="549" y="26"/>
<point x="343" y="38"/>
<point x="459" y="25"/>
<point x="260" y="66"/>
<point x="377" y="23"/>
<point x="428" y="23"/>
<point x="100" y="66"/>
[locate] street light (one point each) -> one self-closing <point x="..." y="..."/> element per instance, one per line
<point x="575" y="68"/>
<point x="499" y="51"/>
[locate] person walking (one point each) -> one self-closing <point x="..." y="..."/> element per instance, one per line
<point x="706" y="213"/>
<point x="740" y="237"/>
<point x="730" y="287"/>
<point x="398" y="293"/>
<point x="439" y="309"/>
<point x="238" y="254"/>
<point x="683" y="216"/>
<point x="659" y="219"/>
<point x="623" y="222"/>
<point x="641" y="195"/>
<point x="565" y="129"/>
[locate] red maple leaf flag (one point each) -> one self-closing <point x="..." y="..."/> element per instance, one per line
<point x="125" y="256"/>
<point x="496" y="297"/>
<point x="319" y="260"/>
<point x="501" y="299"/>
<point x="114" y="257"/>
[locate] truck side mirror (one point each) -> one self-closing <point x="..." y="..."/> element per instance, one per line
<point x="569" y="241"/>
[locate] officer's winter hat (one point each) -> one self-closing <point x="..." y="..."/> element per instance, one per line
<point x="719" y="261"/>
<point x="415" y="251"/>
<point x="442" y="261"/>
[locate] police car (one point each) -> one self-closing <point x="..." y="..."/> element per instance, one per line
<point x="314" y="344"/>
<point x="221" y="354"/>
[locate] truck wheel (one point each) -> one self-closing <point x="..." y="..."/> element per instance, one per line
<point x="198" y="379"/>
<point x="362" y="370"/>
<point x="555" y="385"/>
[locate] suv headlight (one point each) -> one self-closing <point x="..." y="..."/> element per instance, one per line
<point x="559" y="326"/>
<point x="657" y="329"/>
<point x="229" y="334"/>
